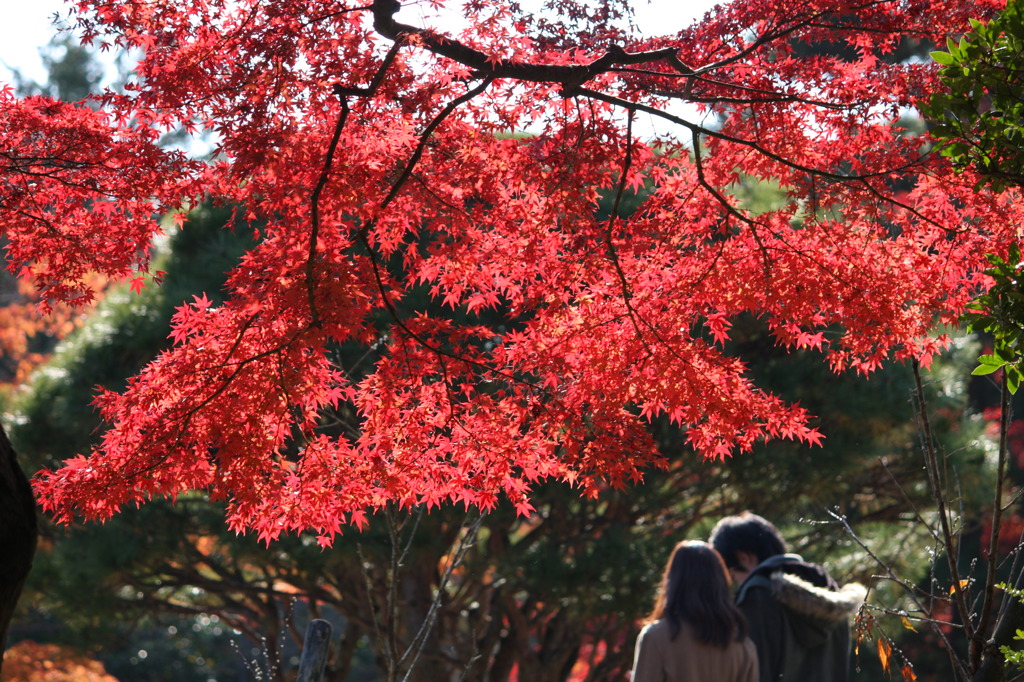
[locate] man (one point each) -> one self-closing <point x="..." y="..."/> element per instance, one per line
<point x="799" y="617"/>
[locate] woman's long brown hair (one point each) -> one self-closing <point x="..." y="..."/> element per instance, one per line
<point x="695" y="590"/>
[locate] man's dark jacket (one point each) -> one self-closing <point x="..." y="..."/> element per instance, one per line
<point x="799" y="620"/>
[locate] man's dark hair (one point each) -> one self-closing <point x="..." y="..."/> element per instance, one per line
<point x="746" y="532"/>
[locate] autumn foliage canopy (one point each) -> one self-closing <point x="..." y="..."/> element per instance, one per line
<point x="426" y="188"/>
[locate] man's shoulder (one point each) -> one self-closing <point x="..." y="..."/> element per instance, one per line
<point x="755" y="586"/>
<point x="796" y="585"/>
<point x="759" y="582"/>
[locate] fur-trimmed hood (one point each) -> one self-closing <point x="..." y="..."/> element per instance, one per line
<point x="820" y="603"/>
<point x="805" y="589"/>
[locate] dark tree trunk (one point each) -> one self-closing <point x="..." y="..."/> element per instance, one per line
<point x="18" y="532"/>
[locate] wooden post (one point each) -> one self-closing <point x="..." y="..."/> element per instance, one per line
<point x="314" y="651"/>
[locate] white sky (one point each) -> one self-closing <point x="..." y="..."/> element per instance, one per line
<point x="27" y="26"/>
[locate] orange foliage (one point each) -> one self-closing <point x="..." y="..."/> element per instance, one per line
<point x="27" y="333"/>
<point x="31" y="662"/>
<point x="591" y="655"/>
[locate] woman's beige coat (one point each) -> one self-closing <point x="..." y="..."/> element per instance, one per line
<point x="660" y="659"/>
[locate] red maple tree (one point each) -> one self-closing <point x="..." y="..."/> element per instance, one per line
<point x="432" y="196"/>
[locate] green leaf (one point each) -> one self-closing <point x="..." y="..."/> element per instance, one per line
<point x="992" y="360"/>
<point x="1013" y="378"/>
<point x="981" y="370"/>
<point x="943" y="58"/>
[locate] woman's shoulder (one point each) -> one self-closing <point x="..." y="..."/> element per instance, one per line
<point x="662" y="629"/>
<point x="654" y="626"/>
<point x="657" y="629"/>
<point x="749" y="647"/>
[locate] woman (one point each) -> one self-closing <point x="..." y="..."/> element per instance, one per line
<point x="695" y="633"/>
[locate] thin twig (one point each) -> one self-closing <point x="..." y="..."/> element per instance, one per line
<point x="467" y="540"/>
<point x="977" y="647"/>
<point x="939" y="495"/>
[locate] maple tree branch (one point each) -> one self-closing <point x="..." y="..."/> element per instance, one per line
<point x="762" y="40"/>
<point x="906" y="207"/>
<point x="627" y="164"/>
<point x="331" y="15"/>
<point x="423" y="183"/>
<point x="314" y="201"/>
<point x="729" y="207"/>
<point x="49" y="225"/>
<point x="573" y="76"/>
<point x="754" y="225"/>
<point x="710" y="132"/>
<point x="631" y="313"/>
<point x="417" y="154"/>
<point x="696" y="130"/>
<point x="57" y="172"/>
<point x="225" y="383"/>
<point x="569" y="75"/>
<point x="769" y="98"/>
<point x="698" y="163"/>
<point x="342" y="92"/>
<point x="378" y="76"/>
<point x="364" y="234"/>
<point x="778" y="34"/>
